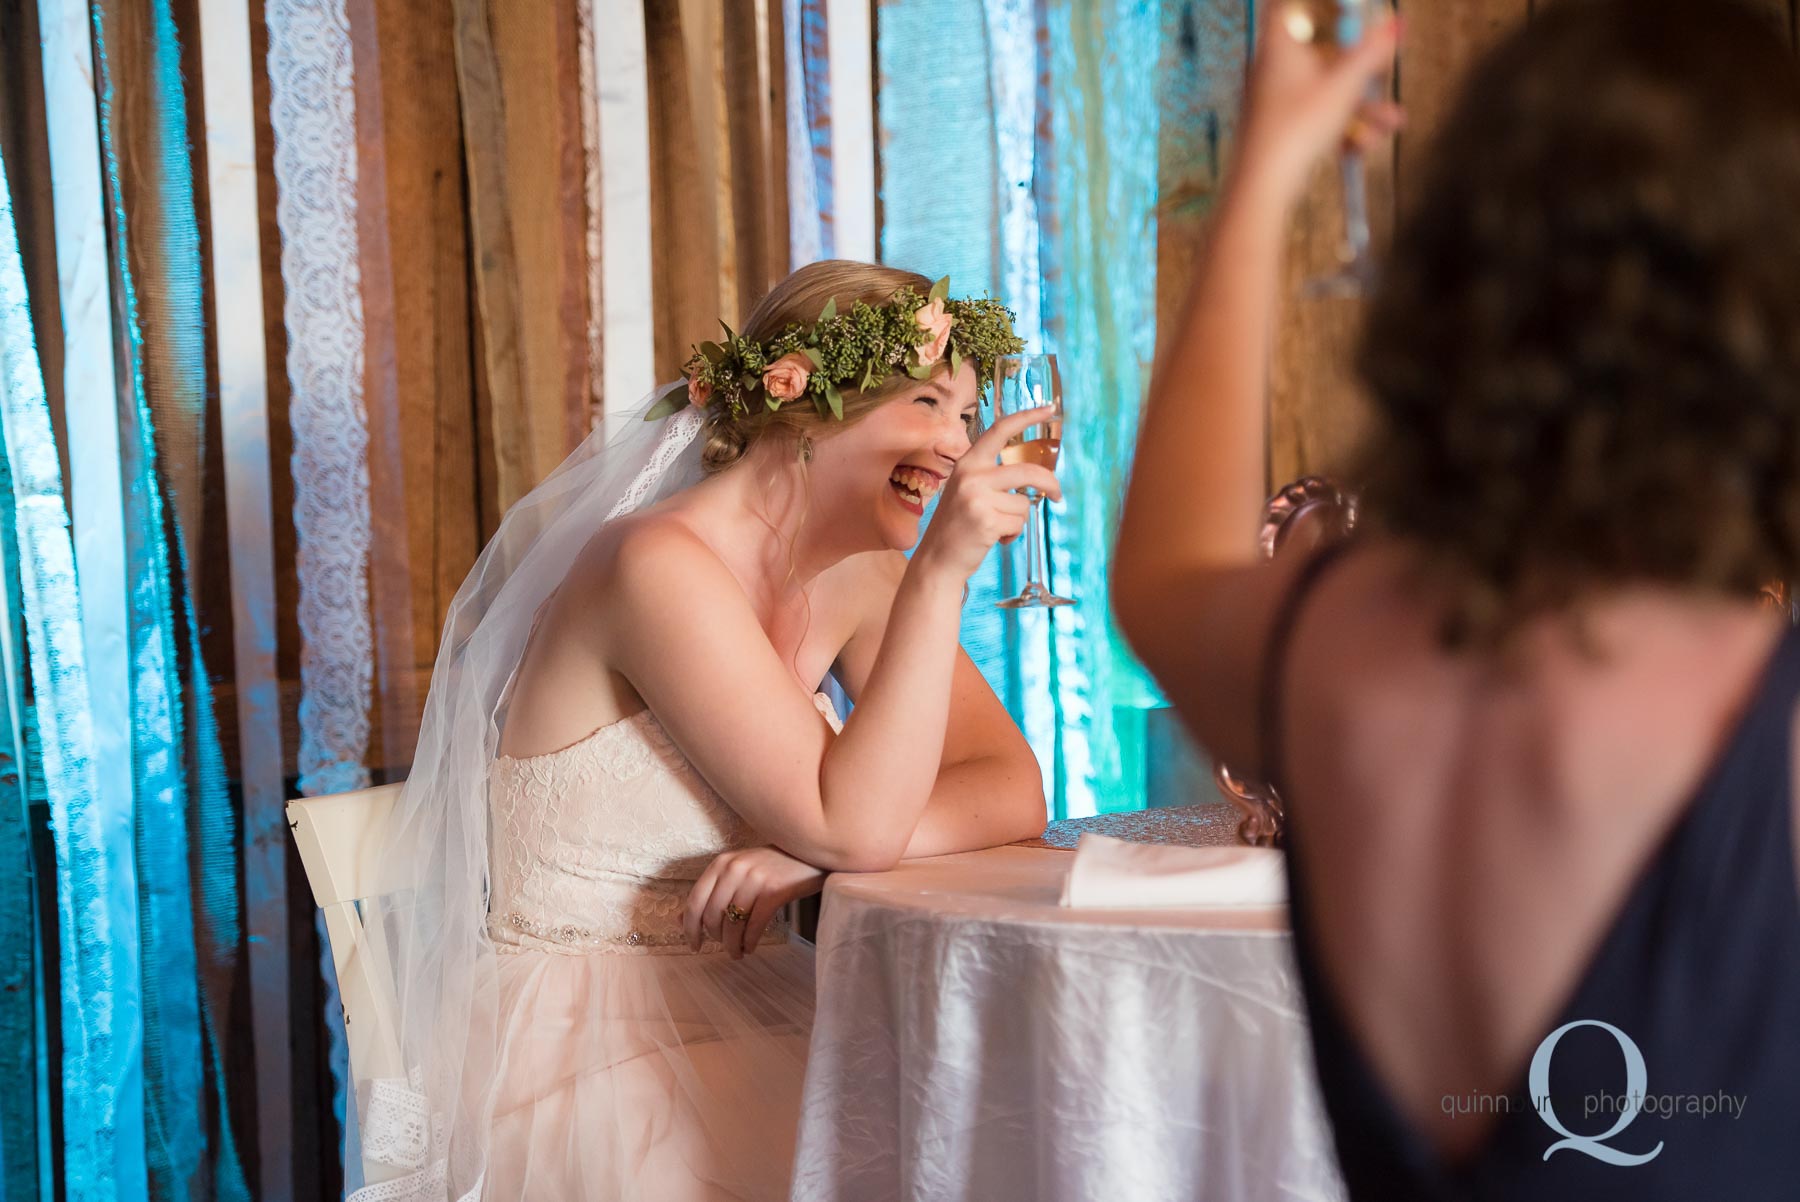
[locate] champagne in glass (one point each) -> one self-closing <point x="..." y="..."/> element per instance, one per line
<point x="1039" y="444"/>
<point x="1032" y="382"/>
<point x="1339" y="25"/>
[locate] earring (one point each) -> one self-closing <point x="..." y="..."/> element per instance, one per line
<point x="805" y="448"/>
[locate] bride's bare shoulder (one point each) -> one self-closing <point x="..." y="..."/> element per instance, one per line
<point x="648" y="558"/>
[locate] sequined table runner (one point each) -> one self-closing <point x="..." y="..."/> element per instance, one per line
<point x="1211" y="825"/>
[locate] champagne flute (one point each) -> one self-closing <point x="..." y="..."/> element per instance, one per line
<point x="1341" y="24"/>
<point x="1032" y="382"/>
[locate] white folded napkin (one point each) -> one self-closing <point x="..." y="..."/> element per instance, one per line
<point x="1109" y="873"/>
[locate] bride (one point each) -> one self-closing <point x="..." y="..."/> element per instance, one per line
<point x="625" y="768"/>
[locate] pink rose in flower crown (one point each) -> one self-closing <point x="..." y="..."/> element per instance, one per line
<point x="787" y="376"/>
<point x="699" y="392"/>
<point x="935" y="322"/>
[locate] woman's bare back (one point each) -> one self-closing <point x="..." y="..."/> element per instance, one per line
<point x="1477" y="829"/>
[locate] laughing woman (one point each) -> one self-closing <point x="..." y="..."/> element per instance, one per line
<point x="628" y="766"/>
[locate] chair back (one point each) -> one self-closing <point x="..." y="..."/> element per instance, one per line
<point x="341" y="838"/>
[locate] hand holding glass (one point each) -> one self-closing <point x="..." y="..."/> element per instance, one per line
<point x="1341" y="24"/>
<point x="1024" y="382"/>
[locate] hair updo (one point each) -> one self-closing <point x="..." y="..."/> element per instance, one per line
<point x="1584" y="354"/>
<point x="798" y="300"/>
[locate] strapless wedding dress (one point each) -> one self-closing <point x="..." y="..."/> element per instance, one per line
<point x="630" y="1067"/>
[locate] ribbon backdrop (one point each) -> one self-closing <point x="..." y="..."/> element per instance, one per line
<point x="290" y="312"/>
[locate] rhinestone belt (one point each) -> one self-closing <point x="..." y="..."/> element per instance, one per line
<point x="571" y="936"/>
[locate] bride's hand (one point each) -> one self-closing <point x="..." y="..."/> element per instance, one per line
<point x="980" y="505"/>
<point x="758" y="881"/>
<point x="1301" y="102"/>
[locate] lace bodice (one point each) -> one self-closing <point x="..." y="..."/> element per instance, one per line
<point x="596" y="846"/>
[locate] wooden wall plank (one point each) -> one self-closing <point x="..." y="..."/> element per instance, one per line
<point x="703" y="25"/>
<point x="395" y="715"/>
<point x="427" y="248"/>
<point x="1206" y="46"/>
<point x="752" y="183"/>
<point x="494" y="263"/>
<point x="281" y="430"/>
<point x="718" y="169"/>
<point x="685" y="265"/>
<point x="537" y="49"/>
<point x="773" y="32"/>
<point x="1442" y="41"/>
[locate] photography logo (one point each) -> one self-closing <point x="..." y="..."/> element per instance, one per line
<point x="1633" y="1099"/>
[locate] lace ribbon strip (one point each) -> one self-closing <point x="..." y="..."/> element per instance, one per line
<point x="312" y="113"/>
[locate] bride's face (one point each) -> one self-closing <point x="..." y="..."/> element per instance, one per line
<point x="882" y="472"/>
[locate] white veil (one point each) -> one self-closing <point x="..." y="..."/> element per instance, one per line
<point x="425" y="1090"/>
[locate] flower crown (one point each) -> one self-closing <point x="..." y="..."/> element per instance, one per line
<point x="908" y="333"/>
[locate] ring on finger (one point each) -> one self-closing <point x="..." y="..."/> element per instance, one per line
<point x="737" y="913"/>
<point x="1300" y="23"/>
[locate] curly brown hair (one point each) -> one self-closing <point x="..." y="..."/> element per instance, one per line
<point x="1584" y="356"/>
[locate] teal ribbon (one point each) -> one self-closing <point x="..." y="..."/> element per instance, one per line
<point x="1048" y="109"/>
<point x="1098" y="259"/>
<point x="97" y="967"/>
<point x="947" y="223"/>
<point x="177" y="760"/>
<point x="24" y="1076"/>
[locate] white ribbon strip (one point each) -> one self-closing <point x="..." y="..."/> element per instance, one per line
<point x="96" y="499"/>
<point x="312" y="110"/>
<point x="627" y="335"/>
<point x="852" y="129"/>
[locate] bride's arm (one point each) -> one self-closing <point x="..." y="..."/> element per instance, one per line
<point x="681" y="630"/>
<point x="989" y="788"/>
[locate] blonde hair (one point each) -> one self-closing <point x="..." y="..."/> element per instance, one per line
<point x="798" y="300"/>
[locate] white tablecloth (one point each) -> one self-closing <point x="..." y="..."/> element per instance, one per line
<point x="976" y="1041"/>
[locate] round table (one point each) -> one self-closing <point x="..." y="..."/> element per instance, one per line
<point x="974" y="1040"/>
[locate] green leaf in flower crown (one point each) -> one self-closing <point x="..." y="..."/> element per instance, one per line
<point x="670" y="404"/>
<point x="812" y="354"/>
<point x="772" y="402"/>
<point x="712" y="352"/>
<point x="939" y="290"/>
<point x="829" y="311"/>
<point x="919" y="371"/>
<point x="835" y="399"/>
<point x="955" y="362"/>
<point x="869" y="378"/>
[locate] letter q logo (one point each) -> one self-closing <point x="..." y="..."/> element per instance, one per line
<point x="1635" y="1079"/>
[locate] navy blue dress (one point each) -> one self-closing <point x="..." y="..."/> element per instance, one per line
<point x="1699" y="972"/>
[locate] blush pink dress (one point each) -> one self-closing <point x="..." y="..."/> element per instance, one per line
<point x="630" y="1068"/>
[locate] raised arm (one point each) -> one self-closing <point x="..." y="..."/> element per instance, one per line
<point x="1187" y="541"/>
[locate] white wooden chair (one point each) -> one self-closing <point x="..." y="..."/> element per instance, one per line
<point x="340" y="838"/>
